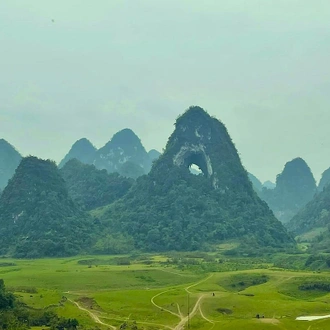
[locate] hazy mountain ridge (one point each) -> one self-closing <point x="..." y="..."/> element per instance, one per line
<point x="295" y="187"/>
<point x="172" y="209"/>
<point x="83" y="150"/>
<point x="9" y="160"/>
<point x="315" y="214"/>
<point x="123" y="147"/>
<point x="124" y="154"/>
<point x="256" y="183"/>
<point x="325" y="179"/>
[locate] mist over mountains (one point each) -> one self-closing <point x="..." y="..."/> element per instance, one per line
<point x="172" y="209"/>
<point x="123" y="154"/>
<point x="125" y="197"/>
<point x="295" y="187"/>
<point x="9" y="160"/>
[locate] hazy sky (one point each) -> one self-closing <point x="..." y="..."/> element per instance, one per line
<point x="77" y="68"/>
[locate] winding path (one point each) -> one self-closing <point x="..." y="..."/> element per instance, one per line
<point x="183" y="319"/>
<point x="92" y="315"/>
<point x="196" y="308"/>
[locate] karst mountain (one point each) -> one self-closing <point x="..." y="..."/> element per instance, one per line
<point x="37" y="216"/>
<point x="82" y="150"/>
<point x="295" y="187"/>
<point x="172" y="209"/>
<point x="123" y="153"/>
<point x="9" y="160"/>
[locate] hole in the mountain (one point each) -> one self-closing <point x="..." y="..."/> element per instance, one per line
<point x="196" y="163"/>
<point x="194" y="169"/>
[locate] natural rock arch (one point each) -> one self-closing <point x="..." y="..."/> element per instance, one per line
<point x="194" y="154"/>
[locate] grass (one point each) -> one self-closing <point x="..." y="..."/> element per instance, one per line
<point x="229" y="298"/>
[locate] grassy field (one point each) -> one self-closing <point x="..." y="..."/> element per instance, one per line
<point x="104" y="292"/>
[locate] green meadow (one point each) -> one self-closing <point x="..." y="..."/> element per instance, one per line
<point x="157" y="292"/>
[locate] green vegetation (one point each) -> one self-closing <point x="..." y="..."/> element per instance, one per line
<point x="171" y="209"/>
<point x="156" y="292"/>
<point x="16" y="315"/>
<point x="82" y="150"/>
<point x="242" y="281"/>
<point x="37" y="216"/>
<point x="325" y="180"/>
<point x="124" y="146"/>
<point x="316" y="214"/>
<point x="295" y="187"/>
<point x="91" y="188"/>
<point x="306" y="287"/>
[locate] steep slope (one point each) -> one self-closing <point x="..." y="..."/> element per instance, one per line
<point x="316" y="214"/>
<point x="124" y="147"/>
<point x="268" y="185"/>
<point x="153" y="154"/>
<point x="37" y="217"/>
<point x="171" y="209"/>
<point x="91" y="188"/>
<point x="325" y="179"/>
<point x="295" y="187"/>
<point x="9" y="160"/>
<point x="256" y="183"/>
<point x="83" y="150"/>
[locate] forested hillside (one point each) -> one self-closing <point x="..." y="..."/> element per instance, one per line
<point x="325" y="179"/>
<point x="295" y="187"/>
<point x="125" y="146"/>
<point x="91" y="188"/>
<point x="172" y="209"/>
<point x="315" y="214"/>
<point x="83" y="150"/>
<point x="15" y="315"/>
<point x="37" y="216"/>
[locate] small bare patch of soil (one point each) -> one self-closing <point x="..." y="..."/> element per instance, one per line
<point x="89" y="303"/>
<point x="267" y="320"/>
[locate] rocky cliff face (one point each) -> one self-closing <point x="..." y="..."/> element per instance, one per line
<point x="295" y="187"/>
<point x="172" y="209"/>
<point x="124" y="147"/>
<point x="82" y="150"/>
<point x="123" y="154"/>
<point x="9" y="160"/>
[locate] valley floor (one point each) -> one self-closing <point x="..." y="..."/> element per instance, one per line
<point x="108" y="292"/>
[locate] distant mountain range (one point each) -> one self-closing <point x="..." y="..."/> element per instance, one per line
<point x="121" y="197"/>
<point x="83" y="150"/>
<point x="295" y="187"/>
<point x="123" y="154"/>
<point x="9" y="160"/>
<point x="46" y="211"/>
<point x="258" y="186"/>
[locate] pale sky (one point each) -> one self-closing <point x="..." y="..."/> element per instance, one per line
<point x="79" y="68"/>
